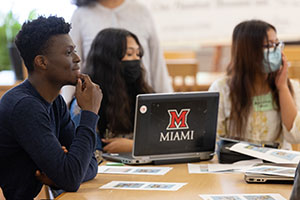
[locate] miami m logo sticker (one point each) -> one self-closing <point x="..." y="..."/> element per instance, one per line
<point x="178" y="121"/>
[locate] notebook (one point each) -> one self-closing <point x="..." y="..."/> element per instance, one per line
<point x="173" y="128"/>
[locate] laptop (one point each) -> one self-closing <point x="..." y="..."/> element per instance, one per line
<point x="172" y="128"/>
<point x="267" y="178"/>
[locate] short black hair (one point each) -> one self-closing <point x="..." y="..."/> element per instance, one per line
<point x="32" y="39"/>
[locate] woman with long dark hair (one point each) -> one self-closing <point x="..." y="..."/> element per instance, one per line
<point x="114" y="62"/>
<point x="258" y="103"/>
<point x="92" y="16"/>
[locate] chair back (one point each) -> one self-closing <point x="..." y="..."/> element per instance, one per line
<point x="292" y="53"/>
<point x="183" y="68"/>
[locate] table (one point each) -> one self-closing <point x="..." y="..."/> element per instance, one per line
<point x="197" y="184"/>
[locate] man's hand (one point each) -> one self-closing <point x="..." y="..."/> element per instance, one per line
<point x="41" y="176"/>
<point x="64" y="149"/>
<point x="117" y="145"/>
<point x="88" y="94"/>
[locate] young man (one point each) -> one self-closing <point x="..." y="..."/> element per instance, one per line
<point x="35" y="126"/>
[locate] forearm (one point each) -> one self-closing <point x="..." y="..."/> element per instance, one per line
<point x="78" y="163"/>
<point x="68" y="170"/>
<point x="42" y="137"/>
<point x="92" y="170"/>
<point x="117" y="145"/>
<point x="288" y="108"/>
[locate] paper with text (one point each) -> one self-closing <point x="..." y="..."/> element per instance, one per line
<point x="269" y="154"/>
<point x="133" y="170"/>
<point x="215" y="168"/>
<point x="273" y="170"/>
<point x="137" y="185"/>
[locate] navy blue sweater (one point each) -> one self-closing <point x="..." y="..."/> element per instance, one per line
<point x="32" y="132"/>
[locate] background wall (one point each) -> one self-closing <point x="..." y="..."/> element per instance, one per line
<point x="190" y="24"/>
<point x="194" y="23"/>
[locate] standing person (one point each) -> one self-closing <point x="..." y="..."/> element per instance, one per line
<point x="38" y="140"/>
<point x="92" y="16"/>
<point x="258" y="102"/>
<point x="114" y="62"/>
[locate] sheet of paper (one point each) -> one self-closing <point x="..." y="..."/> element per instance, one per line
<point x="133" y="170"/>
<point x="273" y="170"/>
<point x="269" y="154"/>
<point x="215" y="168"/>
<point x="241" y="197"/>
<point x="237" y="166"/>
<point x="137" y="185"/>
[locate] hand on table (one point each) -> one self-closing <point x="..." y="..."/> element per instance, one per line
<point x="117" y="145"/>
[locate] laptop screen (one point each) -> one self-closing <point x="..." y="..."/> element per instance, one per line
<point x="175" y="123"/>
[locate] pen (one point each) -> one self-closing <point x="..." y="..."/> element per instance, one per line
<point x="114" y="164"/>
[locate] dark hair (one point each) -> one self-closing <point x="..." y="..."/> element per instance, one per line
<point x="83" y="2"/>
<point x="245" y="65"/>
<point x="32" y="39"/>
<point x="104" y="67"/>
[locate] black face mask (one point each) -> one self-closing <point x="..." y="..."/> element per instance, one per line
<point x="131" y="70"/>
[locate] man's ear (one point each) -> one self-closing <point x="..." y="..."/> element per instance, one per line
<point x="40" y="62"/>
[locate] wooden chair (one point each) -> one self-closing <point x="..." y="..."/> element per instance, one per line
<point x="45" y="193"/>
<point x="217" y="58"/>
<point x="183" y="68"/>
<point x="294" y="70"/>
<point x="292" y="53"/>
<point x="170" y="55"/>
<point x="183" y="75"/>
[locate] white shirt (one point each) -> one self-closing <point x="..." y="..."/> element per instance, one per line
<point x="87" y="21"/>
<point x="261" y="125"/>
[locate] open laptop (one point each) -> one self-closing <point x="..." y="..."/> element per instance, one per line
<point x="266" y="178"/>
<point x="263" y="178"/>
<point x="173" y="128"/>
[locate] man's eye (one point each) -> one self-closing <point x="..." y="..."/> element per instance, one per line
<point x="69" y="52"/>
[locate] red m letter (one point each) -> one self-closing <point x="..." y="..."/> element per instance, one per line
<point x="178" y="121"/>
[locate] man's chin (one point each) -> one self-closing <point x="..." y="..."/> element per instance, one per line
<point x="73" y="83"/>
